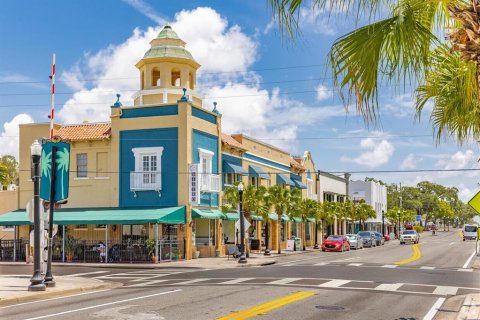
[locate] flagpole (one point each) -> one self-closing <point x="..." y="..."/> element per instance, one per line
<point x="52" y="113"/>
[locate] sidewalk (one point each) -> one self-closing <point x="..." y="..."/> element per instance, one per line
<point x="14" y="288"/>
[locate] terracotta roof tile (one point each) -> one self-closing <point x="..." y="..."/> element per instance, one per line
<point x="229" y="141"/>
<point x="87" y="131"/>
<point x="296" y="164"/>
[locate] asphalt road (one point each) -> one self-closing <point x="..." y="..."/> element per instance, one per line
<point x="388" y="282"/>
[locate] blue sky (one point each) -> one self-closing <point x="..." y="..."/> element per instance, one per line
<point x="265" y="86"/>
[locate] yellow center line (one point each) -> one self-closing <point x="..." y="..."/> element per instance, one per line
<point x="248" y="313"/>
<point x="416" y="255"/>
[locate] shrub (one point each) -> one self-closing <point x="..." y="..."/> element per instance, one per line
<point x="419" y="229"/>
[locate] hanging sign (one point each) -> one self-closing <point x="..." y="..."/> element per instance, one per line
<point x="61" y="152"/>
<point x="193" y="186"/>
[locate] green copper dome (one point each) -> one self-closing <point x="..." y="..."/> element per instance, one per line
<point x="168" y="51"/>
<point x="167" y="32"/>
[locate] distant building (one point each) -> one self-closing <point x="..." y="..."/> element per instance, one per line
<point x="375" y="194"/>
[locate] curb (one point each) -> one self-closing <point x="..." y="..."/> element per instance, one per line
<point x="54" y="294"/>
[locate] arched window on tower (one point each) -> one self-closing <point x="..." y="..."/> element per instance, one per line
<point x="155" y="77"/>
<point x="191" y="84"/>
<point x="142" y="80"/>
<point x="176" y="78"/>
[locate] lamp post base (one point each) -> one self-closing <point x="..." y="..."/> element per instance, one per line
<point x="242" y="259"/>
<point x="316" y="246"/>
<point x="49" y="282"/>
<point x="36" y="283"/>
<point x="267" y="252"/>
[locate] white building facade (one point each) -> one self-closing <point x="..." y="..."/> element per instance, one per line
<point x="375" y="194"/>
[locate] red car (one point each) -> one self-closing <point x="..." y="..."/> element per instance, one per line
<point x="336" y="243"/>
<point x="387" y="237"/>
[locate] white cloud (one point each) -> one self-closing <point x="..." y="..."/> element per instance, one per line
<point x="464" y="193"/>
<point x="410" y="162"/>
<point x="145" y="9"/>
<point x="377" y="154"/>
<point x="9" y="137"/>
<point x="323" y="92"/>
<point x="402" y="106"/>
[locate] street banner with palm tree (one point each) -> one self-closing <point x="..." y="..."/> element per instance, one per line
<point x="61" y="174"/>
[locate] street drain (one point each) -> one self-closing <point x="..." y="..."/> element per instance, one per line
<point x="330" y="308"/>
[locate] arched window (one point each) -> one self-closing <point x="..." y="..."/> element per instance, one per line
<point x="142" y="80"/>
<point x="155" y="77"/>
<point x="190" y="81"/>
<point x="176" y="78"/>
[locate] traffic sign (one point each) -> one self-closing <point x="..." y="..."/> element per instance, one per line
<point x="475" y="202"/>
<point x="419" y="217"/>
<point x="246" y="223"/>
<point x="61" y="174"/>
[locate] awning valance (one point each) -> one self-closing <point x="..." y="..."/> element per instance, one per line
<point x="170" y="215"/>
<point x="296" y="219"/>
<point x="232" y="216"/>
<point x="207" y="214"/>
<point x="284" y="179"/>
<point x="255" y="171"/>
<point x="311" y="220"/>
<point x="229" y="167"/>
<point x="256" y="218"/>
<point x="297" y="180"/>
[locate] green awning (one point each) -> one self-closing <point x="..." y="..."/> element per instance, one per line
<point x="255" y="171"/>
<point x="228" y="167"/>
<point x="284" y="179"/>
<point x="273" y="216"/>
<point x="311" y="220"/>
<point x="256" y="218"/>
<point x="285" y="217"/>
<point x="232" y="216"/>
<point x="296" y="219"/>
<point x="206" y="214"/>
<point x="170" y="215"/>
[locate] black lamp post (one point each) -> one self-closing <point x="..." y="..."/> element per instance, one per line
<point x="36" y="282"/>
<point x="398" y="231"/>
<point x="316" y="246"/>
<point x="383" y="222"/>
<point x="242" y="259"/>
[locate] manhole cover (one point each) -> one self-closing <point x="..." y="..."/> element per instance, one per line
<point x="330" y="308"/>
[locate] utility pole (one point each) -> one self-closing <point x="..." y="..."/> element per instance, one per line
<point x="400" y="209"/>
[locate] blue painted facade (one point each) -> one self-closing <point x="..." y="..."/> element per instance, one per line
<point x="149" y="112"/>
<point x="234" y="160"/>
<point x="199" y="113"/>
<point x="163" y="137"/>
<point x="209" y="142"/>
<point x="249" y="156"/>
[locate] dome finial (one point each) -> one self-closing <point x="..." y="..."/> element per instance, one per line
<point x="117" y="104"/>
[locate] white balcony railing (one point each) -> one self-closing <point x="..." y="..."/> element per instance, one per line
<point x="209" y="182"/>
<point x="145" y="180"/>
<point x="312" y="196"/>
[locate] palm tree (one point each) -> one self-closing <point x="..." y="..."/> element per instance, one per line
<point x="306" y="209"/>
<point x="350" y="209"/>
<point x="403" y="48"/>
<point x="262" y="208"/>
<point x="325" y="214"/>
<point x="280" y="199"/>
<point x="63" y="164"/>
<point x="332" y="209"/>
<point x="231" y="198"/>
<point x="319" y="214"/>
<point x="365" y="212"/>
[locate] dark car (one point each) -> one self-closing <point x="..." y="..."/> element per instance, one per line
<point x="379" y="239"/>
<point x="368" y="238"/>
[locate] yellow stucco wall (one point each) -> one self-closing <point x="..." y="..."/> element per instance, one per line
<point x="8" y="202"/>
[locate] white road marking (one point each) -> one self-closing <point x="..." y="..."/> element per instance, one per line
<point x="104" y="304"/>
<point x="86" y="273"/>
<point x="43" y="300"/>
<point x="334" y="283"/>
<point x="433" y="310"/>
<point x="193" y="281"/>
<point x="451" y="243"/>
<point x="427" y="268"/>
<point x="355" y="264"/>
<point x="443" y="290"/>
<point x="284" y="280"/>
<point x="465" y="270"/>
<point x="321" y="264"/>
<point x="389" y="266"/>
<point x="343" y="259"/>
<point x="234" y="281"/>
<point x="468" y="261"/>
<point x="389" y="286"/>
<point x="146" y="283"/>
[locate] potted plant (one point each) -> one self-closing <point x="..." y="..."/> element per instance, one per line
<point x="70" y="245"/>
<point x="151" y="249"/>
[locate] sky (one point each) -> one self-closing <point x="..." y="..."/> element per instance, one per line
<point x="266" y="86"/>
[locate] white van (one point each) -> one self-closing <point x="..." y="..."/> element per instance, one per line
<point x="470" y="231"/>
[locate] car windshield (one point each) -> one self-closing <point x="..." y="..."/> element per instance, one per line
<point x="364" y="234"/>
<point x="334" y="238"/>
<point x="470" y="229"/>
<point x="408" y="232"/>
<point x="351" y="236"/>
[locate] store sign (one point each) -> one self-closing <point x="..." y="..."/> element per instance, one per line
<point x="57" y="155"/>
<point x="193" y="184"/>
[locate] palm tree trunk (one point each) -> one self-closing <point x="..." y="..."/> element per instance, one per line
<point x="279" y="242"/>
<point x="303" y="236"/>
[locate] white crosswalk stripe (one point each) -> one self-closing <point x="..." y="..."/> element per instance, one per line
<point x="193" y="281"/>
<point x="284" y="281"/>
<point x="321" y="264"/>
<point x="334" y="283"/>
<point x="355" y="264"/>
<point x="235" y="281"/>
<point x="445" y="290"/>
<point x="427" y="268"/>
<point x="389" y="286"/>
<point x="391" y="266"/>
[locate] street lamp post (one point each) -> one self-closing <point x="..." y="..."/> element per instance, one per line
<point x="383" y="222"/>
<point x="398" y="229"/>
<point x="242" y="259"/>
<point x="267" y="236"/>
<point x="36" y="282"/>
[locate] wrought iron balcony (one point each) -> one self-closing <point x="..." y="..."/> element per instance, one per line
<point x="145" y="180"/>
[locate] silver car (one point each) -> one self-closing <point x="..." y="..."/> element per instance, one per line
<point x="355" y="241"/>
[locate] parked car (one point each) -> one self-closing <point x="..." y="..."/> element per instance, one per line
<point x="409" y="236"/>
<point x="356" y="241"/>
<point x="379" y="238"/>
<point x="387" y="237"/>
<point x="469" y="231"/>
<point x="336" y="243"/>
<point x="368" y="238"/>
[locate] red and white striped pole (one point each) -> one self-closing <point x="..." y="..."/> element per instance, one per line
<point x="52" y="113"/>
